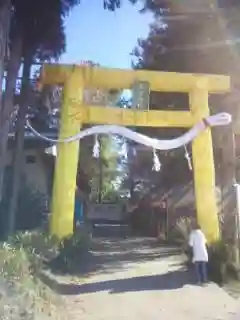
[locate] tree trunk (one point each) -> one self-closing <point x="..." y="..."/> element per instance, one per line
<point x="5" y="15"/>
<point x="8" y="103"/>
<point x="100" y="162"/>
<point x="18" y="160"/>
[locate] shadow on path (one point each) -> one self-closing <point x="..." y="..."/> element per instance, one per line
<point x="108" y="256"/>
<point x="169" y="281"/>
<point x="111" y="255"/>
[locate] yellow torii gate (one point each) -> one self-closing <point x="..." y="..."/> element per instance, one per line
<point x="74" y="114"/>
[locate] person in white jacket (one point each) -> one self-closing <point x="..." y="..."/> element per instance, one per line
<point x="198" y="243"/>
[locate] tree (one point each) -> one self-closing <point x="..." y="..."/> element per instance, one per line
<point x="105" y="169"/>
<point x="25" y="27"/>
<point x="24" y="33"/>
<point x="186" y="39"/>
<point x="193" y="36"/>
<point x="5" y="7"/>
<point x="5" y="11"/>
<point x="113" y="5"/>
<point x="39" y="41"/>
<point x="28" y="43"/>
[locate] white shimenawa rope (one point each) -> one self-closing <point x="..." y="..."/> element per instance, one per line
<point x="220" y="119"/>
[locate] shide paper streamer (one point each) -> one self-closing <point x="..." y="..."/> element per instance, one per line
<point x="220" y="119"/>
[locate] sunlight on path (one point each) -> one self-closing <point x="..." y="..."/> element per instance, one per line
<point x="152" y="286"/>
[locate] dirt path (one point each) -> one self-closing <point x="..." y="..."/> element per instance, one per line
<point x="135" y="279"/>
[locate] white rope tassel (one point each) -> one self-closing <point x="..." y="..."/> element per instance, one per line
<point x="156" y="163"/>
<point x="124" y="150"/>
<point x="134" y="151"/>
<point x="188" y="158"/>
<point x="96" y="147"/>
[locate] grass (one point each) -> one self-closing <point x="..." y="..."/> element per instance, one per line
<point x="70" y="253"/>
<point x="23" y="259"/>
<point x="22" y="294"/>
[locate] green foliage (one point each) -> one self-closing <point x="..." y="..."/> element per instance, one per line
<point x="186" y="41"/>
<point x="183" y="41"/>
<point x="36" y="250"/>
<point x="32" y="206"/>
<point x="43" y="30"/>
<point x="219" y="260"/>
<point x="219" y="252"/>
<point x="22" y="293"/>
<point x="44" y="246"/>
<point x="181" y="231"/>
<point x="71" y="251"/>
<point x="112" y="5"/>
<point x="102" y="172"/>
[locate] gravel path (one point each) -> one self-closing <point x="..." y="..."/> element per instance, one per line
<point x="133" y="279"/>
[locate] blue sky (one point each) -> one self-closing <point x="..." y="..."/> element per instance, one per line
<point x="102" y="36"/>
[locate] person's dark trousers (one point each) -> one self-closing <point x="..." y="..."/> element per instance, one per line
<point x="201" y="271"/>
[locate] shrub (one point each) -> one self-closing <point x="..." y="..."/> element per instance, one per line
<point x="219" y="252"/>
<point x="29" y="198"/>
<point x="218" y="261"/>
<point x="23" y="295"/>
<point x="71" y="251"/>
<point x="180" y="232"/>
<point x="38" y="245"/>
<point x="180" y="235"/>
